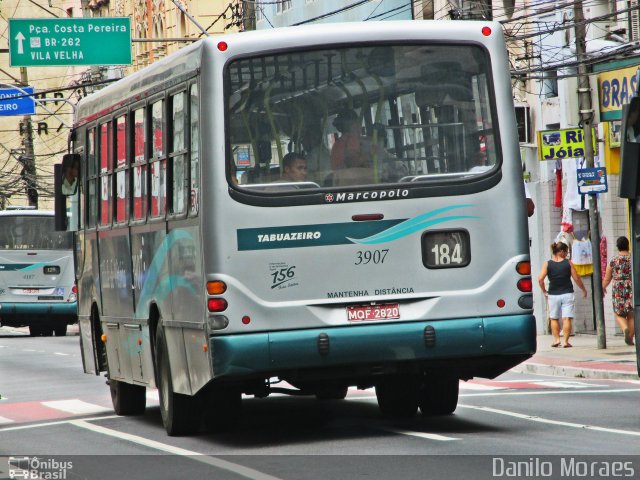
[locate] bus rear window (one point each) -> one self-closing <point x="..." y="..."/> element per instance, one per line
<point x="32" y="233"/>
<point x="363" y="115"/>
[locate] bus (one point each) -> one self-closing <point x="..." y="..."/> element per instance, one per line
<point x="37" y="279"/>
<point x="400" y="260"/>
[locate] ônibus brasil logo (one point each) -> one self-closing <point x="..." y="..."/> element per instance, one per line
<point x="364" y="196"/>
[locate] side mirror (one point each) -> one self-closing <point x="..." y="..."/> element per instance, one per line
<point x="60" y="201"/>
<point x="70" y="174"/>
<point x="630" y="150"/>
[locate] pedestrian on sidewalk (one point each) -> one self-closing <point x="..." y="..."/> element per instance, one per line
<point x="619" y="270"/>
<point x="560" y="298"/>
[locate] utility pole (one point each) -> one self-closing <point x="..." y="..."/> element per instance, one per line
<point x="586" y="117"/>
<point x="29" y="159"/>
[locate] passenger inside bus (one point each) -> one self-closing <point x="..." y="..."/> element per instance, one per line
<point x="294" y="168"/>
<point x="70" y="174"/>
<point x="316" y="152"/>
<point x="349" y="150"/>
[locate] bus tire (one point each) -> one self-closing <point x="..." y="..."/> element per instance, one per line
<point x="34" y="331"/>
<point x="439" y="395"/>
<point x="180" y="413"/>
<point x="398" y="396"/>
<point x="127" y="399"/>
<point x="60" y="330"/>
<point x="223" y="408"/>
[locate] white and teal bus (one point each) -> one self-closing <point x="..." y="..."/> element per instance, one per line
<point x="398" y="260"/>
<point x="37" y="281"/>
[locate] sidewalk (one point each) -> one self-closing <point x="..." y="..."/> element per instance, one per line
<point x="584" y="359"/>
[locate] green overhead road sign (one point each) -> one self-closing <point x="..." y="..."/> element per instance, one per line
<point x="39" y="42"/>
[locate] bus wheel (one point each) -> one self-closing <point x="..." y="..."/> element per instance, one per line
<point x="127" y="399"/>
<point x="180" y="413"/>
<point x="332" y="392"/>
<point x="223" y="408"/>
<point x="439" y="395"/>
<point x="34" y="331"/>
<point x="60" y="330"/>
<point x="398" y="396"/>
<point x="46" y="331"/>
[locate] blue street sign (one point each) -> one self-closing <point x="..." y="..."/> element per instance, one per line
<point x="15" y="101"/>
<point x="592" y="180"/>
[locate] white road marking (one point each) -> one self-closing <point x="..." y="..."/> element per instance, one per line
<point x="60" y="353"/>
<point x="215" y="462"/>
<point x="534" y="418"/>
<point x="51" y="424"/>
<point x="430" y="436"/>
<point x="4" y="421"/>
<point x="75" y="406"/>
<point x="549" y="392"/>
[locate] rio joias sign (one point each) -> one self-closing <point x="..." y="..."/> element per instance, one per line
<point x="565" y="143"/>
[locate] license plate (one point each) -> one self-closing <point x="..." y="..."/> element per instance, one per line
<point x="30" y="291"/>
<point x="362" y="313"/>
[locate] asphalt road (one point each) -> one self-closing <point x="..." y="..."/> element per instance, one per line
<point x="50" y="410"/>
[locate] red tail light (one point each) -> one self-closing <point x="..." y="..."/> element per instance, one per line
<point x="74" y="289"/>
<point x="525" y="284"/>
<point x="217" y="304"/>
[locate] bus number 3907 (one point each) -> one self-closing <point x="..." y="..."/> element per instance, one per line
<point x="368" y="256"/>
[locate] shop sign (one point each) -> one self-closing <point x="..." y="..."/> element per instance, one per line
<point x="615" y="89"/>
<point x="592" y="180"/>
<point x="565" y="143"/>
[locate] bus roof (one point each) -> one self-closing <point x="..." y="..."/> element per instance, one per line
<point x="188" y="60"/>
<point x="23" y="212"/>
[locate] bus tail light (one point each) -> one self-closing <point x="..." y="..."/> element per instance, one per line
<point x="73" y="296"/>
<point x="216" y="287"/>
<point x="525" y="284"/>
<point x="217" y="322"/>
<point x="524" y="268"/>
<point x="217" y="304"/>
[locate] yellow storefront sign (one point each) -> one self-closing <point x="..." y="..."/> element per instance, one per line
<point x="565" y="143"/>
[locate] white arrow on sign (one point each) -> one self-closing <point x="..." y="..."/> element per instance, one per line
<point x="20" y="38"/>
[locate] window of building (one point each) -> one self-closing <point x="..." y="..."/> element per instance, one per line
<point x="283" y="6"/>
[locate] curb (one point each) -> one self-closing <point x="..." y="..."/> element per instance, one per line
<point x="574" y="372"/>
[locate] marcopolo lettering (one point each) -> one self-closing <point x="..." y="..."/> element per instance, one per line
<point x="375" y="195"/>
<point x="289" y="236"/>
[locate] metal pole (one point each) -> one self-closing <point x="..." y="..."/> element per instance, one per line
<point x="29" y="159"/>
<point x="586" y="117"/>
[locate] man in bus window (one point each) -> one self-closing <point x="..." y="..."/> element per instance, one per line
<point x="349" y="150"/>
<point x="70" y="177"/>
<point x="294" y="167"/>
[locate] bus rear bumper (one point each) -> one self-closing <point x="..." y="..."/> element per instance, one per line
<point x="21" y="314"/>
<point x="474" y="346"/>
